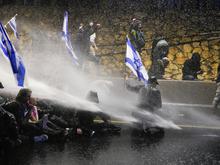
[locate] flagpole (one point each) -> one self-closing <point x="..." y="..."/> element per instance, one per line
<point x="10" y="20"/>
<point x="124" y="76"/>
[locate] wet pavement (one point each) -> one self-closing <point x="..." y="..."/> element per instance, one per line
<point x="197" y="143"/>
<point x="187" y="146"/>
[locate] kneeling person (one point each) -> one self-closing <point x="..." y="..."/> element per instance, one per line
<point x="150" y="101"/>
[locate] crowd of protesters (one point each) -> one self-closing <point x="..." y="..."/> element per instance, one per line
<point x="23" y="121"/>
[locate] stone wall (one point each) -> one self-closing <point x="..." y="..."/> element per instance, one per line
<point x="186" y="32"/>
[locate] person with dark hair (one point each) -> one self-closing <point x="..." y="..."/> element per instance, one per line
<point x="160" y="49"/>
<point x="192" y="68"/>
<point x="21" y="110"/>
<point x="216" y="100"/>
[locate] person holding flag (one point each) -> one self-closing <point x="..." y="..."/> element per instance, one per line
<point x="149" y="96"/>
<point x="67" y="40"/>
<point x="133" y="61"/>
<point x="11" y="54"/>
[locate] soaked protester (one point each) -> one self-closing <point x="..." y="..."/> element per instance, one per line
<point x="150" y="96"/>
<point x="20" y="109"/>
<point x="149" y="100"/>
<point x="216" y="100"/>
<point x="136" y="35"/>
<point x="191" y="67"/>
<point x="160" y="49"/>
<point x="45" y="123"/>
<point x="86" y="120"/>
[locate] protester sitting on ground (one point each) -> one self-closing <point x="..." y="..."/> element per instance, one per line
<point x="86" y="119"/>
<point x="9" y="136"/>
<point x="216" y="100"/>
<point x="8" y="129"/>
<point x="192" y="68"/>
<point x="45" y="123"/>
<point x="20" y="109"/>
<point x="82" y="43"/>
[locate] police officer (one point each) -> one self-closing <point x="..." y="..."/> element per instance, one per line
<point x="160" y="49"/>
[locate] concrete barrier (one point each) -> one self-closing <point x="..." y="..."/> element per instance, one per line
<point x="177" y="92"/>
<point x="180" y="91"/>
<point x="187" y="92"/>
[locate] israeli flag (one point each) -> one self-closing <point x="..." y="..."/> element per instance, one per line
<point x="133" y="61"/>
<point x="67" y="39"/>
<point x="10" y="53"/>
<point x="13" y="26"/>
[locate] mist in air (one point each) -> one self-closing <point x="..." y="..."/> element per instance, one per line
<point x="52" y="75"/>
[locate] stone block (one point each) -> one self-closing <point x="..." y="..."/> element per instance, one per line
<point x="187" y="48"/>
<point x="205" y="54"/>
<point x="197" y="50"/>
<point x="196" y="44"/>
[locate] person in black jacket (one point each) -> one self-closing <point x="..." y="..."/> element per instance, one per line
<point x="160" y="49"/>
<point x="192" y="68"/>
<point x="136" y="35"/>
<point x="150" y="96"/>
<point x="149" y="100"/>
<point x="1" y="85"/>
<point x="20" y="109"/>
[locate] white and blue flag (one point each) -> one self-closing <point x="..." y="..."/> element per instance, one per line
<point x="10" y="53"/>
<point x="67" y="40"/>
<point x="133" y="61"/>
<point x="13" y="26"/>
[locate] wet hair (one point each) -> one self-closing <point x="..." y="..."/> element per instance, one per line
<point x="33" y="101"/>
<point x="23" y="94"/>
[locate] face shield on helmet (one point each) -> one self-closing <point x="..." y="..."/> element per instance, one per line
<point x="162" y="48"/>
